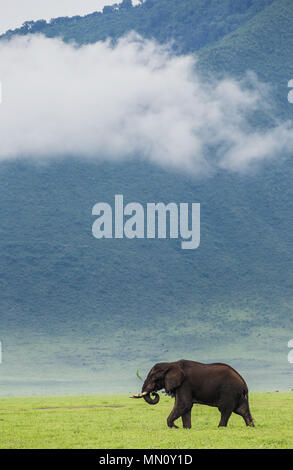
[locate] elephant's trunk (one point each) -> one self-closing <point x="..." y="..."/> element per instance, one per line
<point x="152" y="400"/>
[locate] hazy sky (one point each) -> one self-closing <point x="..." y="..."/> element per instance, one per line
<point x="15" y="12"/>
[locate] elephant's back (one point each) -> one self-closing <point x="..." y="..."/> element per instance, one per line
<point x="226" y="369"/>
<point x="217" y="371"/>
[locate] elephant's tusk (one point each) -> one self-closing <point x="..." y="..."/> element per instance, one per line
<point x="139" y="395"/>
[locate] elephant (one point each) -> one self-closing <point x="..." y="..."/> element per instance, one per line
<point x="190" y="382"/>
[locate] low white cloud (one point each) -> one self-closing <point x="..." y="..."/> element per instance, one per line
<point x="134" y="100"/>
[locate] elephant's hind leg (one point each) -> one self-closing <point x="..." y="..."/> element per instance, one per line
<point x="244" y="411"/>
<point x="225" y="415"/>
<point x="226" y="408"/>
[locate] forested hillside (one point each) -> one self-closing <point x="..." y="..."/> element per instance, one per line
<point x="193" y="24"/>
<point x="76" y="311"/>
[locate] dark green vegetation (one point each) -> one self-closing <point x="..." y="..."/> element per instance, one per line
<point x="78" y="314"/>
<point x="116" y="422"/>
<point x="193" y="24"/>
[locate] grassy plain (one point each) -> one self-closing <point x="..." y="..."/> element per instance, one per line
<point x="116" y="422"/>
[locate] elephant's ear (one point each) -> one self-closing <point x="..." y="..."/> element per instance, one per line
<point x="173" y="378"/>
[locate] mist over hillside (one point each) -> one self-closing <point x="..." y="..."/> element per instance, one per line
<point x="80" y="314"/>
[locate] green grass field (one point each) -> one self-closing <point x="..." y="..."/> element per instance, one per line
<point x="115" y="421"/>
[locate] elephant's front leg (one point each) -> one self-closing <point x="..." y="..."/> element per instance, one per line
<point x="175" y="414"/>
<point x="182" y="408"/>
<point x="186" y="420"/>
